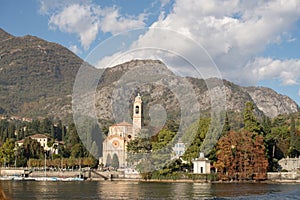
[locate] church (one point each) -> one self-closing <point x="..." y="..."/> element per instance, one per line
<point x="115" y="144"/>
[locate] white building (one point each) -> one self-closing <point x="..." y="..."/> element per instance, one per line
<point x="178" y="150"/>
<point x="290" y="164"/>
<point x="43" y="140"/>
<point x="201" y="165"/>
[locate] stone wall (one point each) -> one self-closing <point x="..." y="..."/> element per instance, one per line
<point x="283" y="176"/>
<point x="12" y="172"/>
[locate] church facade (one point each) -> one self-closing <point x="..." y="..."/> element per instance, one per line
<point x="115" y="144"/>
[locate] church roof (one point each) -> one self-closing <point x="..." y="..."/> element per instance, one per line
<point x="122" y="124"/>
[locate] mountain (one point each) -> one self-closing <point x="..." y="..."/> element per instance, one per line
<point x="266" y="100"/>
<point x="4" y="35"/>
<point x="270" y="102"/>
<point x="37" y="78"/>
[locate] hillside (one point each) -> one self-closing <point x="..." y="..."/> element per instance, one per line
<point x="37" y="77"/>
<point x="266" y="100"/>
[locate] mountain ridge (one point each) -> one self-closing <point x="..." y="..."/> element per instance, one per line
<point x="37" y="77"/>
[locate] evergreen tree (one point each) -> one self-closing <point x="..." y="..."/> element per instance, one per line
<point x="201" y="129"/>
<point x="32" y="149"/>
<point x="11" y="130"/>
<point x="292" y="132"/>
<point x="52" y="132"/>
<point x="59" y="131"/>
<point x="46" y="126"/>
<point x="72" y="136"/>
<point x="34" y="127"/>
<point x="250" y="122"/>
<point x="226" y="127"/>
<point x="266" y="124"/>
<point x="294" y="149"/>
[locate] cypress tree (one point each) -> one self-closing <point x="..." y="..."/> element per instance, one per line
<point x="250" y="122"/>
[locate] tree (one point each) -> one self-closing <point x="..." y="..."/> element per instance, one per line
<point x="241" y="156"/>
<point x="59" y="131"/>
<point x="266" y="124"/>
<point x="77" y="151"/>
<point x="72" y="136"/>
<point x="34" y="126"/>
<point x="201" y="128"/>
<point x="7" y="152"/>
<point x="294" y="149"/>
<point x="32" y="149"/>
<point x="250" y="122"/>
<point x="45" y="126"/>
<point x="226" y="127"/>
<point x="163" y="138"/>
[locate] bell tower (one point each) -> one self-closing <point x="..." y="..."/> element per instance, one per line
<point x="137" y="115"/>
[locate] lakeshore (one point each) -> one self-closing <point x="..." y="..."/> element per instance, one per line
<point x="20" y="174"/>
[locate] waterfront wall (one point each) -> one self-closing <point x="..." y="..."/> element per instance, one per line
<point x="12" y="172"/>
<point x="283" y="176"/>
<point x="56" y="174"/>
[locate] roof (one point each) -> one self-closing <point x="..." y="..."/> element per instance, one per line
<point x="122" y="124"/>
<point x="20" y="141"/>
<point x="38" y="136"/>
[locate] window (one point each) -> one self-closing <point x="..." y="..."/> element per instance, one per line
<point x="137" y="109"/>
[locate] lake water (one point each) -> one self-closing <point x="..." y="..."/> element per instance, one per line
<point x="145" y="190"/>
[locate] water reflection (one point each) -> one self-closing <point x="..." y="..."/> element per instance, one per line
<point x="201" y="190"/>
<point x="142" y="190"/>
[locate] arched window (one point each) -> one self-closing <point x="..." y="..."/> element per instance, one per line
<point x="137" y="109"/>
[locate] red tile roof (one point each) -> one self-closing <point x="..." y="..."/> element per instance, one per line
<point x="20" y="141"/>
<point x="38" y="136"/>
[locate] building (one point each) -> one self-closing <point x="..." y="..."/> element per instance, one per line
<point x="43" y="140"/>
<point x="289" y="164"/>
<point x="178" y="150"/>
<point x="115" y="144"/>
<point x="201" y="165"/>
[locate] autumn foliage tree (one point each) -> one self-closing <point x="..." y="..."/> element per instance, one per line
<point x="241" y="156"/>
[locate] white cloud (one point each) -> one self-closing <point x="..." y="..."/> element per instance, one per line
<point x="114" y="23"/>
<point x="87" y="20"/>
<point x="79" y="19"/>
<point x="164" y="2"/>
<point x="233" y="32"/>
<point x="75" y="49"/>
<point x="49" y="6"/>
<point x="287" y="71"/>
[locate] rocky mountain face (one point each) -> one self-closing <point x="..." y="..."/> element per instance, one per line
<point x="37" y="78"/>
<point x="270" y="102"/>
<point x="161" y="92"/>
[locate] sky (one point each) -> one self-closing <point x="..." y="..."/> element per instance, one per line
<point x="251" y="43"/>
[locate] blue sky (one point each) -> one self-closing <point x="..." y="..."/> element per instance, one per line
<point x="251" y="43"/>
